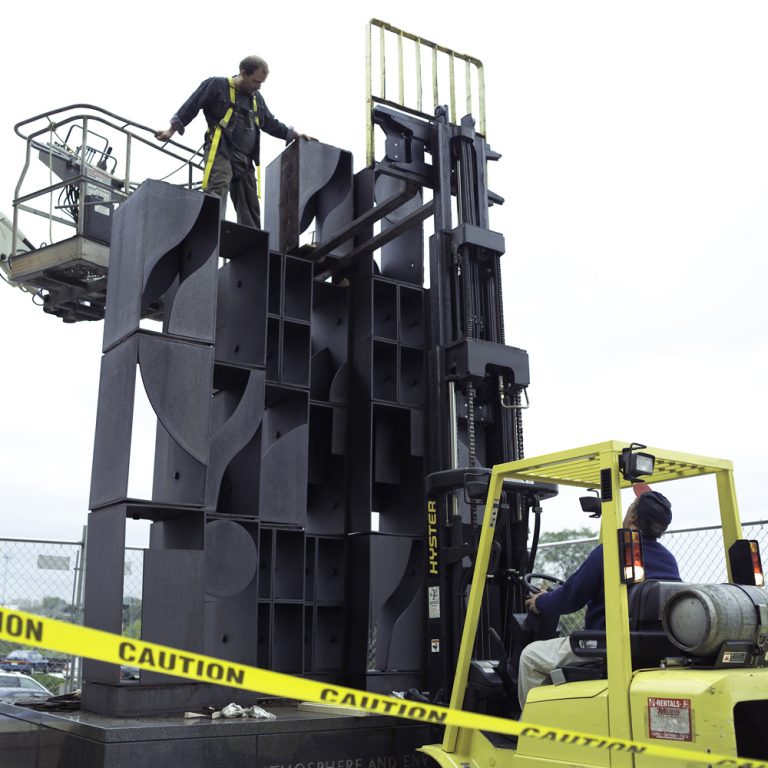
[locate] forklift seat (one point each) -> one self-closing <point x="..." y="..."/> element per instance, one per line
<point x="648" y="641"/>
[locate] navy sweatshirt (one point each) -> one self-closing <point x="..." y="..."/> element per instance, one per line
<point x="585" y="586"/>
<point x="212" y="96"/>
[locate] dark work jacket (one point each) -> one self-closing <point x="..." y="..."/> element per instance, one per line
<point x="212" y="96"/>
<point x="585" y="586"/>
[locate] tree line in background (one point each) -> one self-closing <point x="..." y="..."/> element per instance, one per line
<point x="563" y="561"/>
<point x="58" y="608"/>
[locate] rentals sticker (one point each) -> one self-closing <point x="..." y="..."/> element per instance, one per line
<point x="669" y="719"/>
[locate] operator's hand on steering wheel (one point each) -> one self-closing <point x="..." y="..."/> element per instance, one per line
<point x="530" y="603"/>
<point x="532" y="588"/>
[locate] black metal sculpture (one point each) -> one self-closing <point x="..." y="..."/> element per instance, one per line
<point x="323" y="420"/>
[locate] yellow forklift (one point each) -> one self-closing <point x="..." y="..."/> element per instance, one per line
<point x="679" y="664"/>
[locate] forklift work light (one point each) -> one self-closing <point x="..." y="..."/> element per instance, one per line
<point x="635" y="465"/>
<point x="631" y="556"/>
<point x="746" y="565"/>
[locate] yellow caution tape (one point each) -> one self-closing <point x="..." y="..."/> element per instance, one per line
<point x="72" y="639"/>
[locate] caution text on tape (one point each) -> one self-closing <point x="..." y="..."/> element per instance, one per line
<point x="72" y="639"/>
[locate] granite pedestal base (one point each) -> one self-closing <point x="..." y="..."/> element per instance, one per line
<point x="296" y="739"/>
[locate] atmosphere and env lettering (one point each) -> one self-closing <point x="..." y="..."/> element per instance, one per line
<point x="382" y="761"/>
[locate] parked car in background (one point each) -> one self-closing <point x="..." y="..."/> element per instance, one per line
<point x="20" y="696"/>
<point x="24" y="660"/>
<point x="129" y="673"/>
<point x="15" y="686"/>
<point x="59" y="664"/>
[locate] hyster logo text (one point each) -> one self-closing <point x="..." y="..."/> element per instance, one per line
<point x="432" y="536"/>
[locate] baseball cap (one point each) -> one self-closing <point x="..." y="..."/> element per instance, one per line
<point x="652" y="505"/>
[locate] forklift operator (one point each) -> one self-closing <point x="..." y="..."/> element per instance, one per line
<point x="650" y="513"/>
<point x="236" y="114"/>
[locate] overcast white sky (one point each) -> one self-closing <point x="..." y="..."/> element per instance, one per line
<point x="634" y="138"/>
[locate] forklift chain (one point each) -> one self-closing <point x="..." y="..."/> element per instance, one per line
<point x="471" y="440"/>
<point x="471" y="423"/>
<point x="517" y="414"/>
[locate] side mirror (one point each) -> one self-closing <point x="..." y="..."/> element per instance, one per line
<point x="591" y="505"/>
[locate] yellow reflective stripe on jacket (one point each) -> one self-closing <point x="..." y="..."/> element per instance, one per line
<point x="217" y="134"/>
<point x="258" y="125"/>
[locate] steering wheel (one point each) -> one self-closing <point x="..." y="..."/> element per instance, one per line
<point x="545" y="576"/>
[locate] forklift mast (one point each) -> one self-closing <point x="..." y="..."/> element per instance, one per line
<point x="476" y="382"/>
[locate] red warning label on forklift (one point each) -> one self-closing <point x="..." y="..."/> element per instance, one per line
<point x="669" y="719"/>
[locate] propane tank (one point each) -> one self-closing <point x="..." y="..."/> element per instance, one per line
<point x="700" y="618"/>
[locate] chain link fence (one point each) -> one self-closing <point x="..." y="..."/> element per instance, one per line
<point x="698" y="551"/>
<point x="47" y="577"/>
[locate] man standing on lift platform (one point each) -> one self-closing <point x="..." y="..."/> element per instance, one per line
<point x="236" y="114"/>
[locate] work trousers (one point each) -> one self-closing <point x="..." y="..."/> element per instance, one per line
<point x="539" y="659"/>
<point x="233" y="173"/>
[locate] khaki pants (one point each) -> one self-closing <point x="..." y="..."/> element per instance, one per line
<point x="234" y="174"/>
<point x="539" y="659"/>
